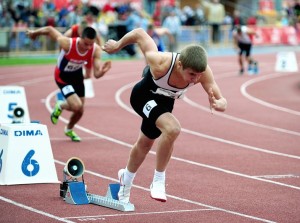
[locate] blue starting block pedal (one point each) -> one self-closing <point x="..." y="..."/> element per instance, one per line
<point x="60" y="96"/>
<point x="112" y="191"/>
<point x="76" y="193"/>
<point x="111" y="199"/>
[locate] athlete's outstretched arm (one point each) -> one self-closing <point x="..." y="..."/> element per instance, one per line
<point x="52" y="33"/>
<point x="47" y="31"/>
<point x="139" y="36"/>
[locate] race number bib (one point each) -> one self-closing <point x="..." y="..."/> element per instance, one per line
<point x="148" y="107"/>
<point x="68" y="89"/>
<point x="71" y="66"/>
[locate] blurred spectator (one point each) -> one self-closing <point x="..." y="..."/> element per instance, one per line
<point x="130" y="19"/>
<point x="6" y="20"/>
<point x="1" y="8"/>
<point x="237" y="19"/>
<point x="199" y="15"/>
<point x="215" y="17"/>
<point x="188" y="16"/>
<point x="63" y="21"/>
<point x="251" y="21"/>
<point x="297" y="14"/>
<point x="50" y="19"/>
<point x="173" y="24"/>
<point x="107" y="16"/>
<point x="157" y="33"/>
<point x="75" y="16"/>
<point x="227" y="20"/>
<point x="282" y="19"/>
<point x="20" y="36"/>
<point x="297" y="9"/>
<point x="150" y="6"/>
<point x="48" y="7"/>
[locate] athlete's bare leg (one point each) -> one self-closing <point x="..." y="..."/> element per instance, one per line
<point x="75" y="105"/>
<point x="170" y="129"/>
<point x="139" y="152"/>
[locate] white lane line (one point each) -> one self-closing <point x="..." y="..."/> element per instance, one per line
<point x="151" y="152"/>
<point x="264" y="103"/>
<point x="126" y="144"/>
<point x="66" y="139"/>
<point x="239" y="145"/>
<point x="82" y="218"/>
<point x="35" y="210"/>
<point x="279" y="176"/>
<point x="178" y="198"/>
<point x="194" y="104"/>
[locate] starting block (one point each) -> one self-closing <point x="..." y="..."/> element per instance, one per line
<point x="60" y="96"/>
<point x="76" y="194"/>
<point x="111" y="199"/>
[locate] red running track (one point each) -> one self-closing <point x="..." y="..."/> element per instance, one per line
<point x="239" y="166"/>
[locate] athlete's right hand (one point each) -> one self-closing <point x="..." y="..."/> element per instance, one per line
<point x="110" y="46"/>
<point x="31" y="34"/>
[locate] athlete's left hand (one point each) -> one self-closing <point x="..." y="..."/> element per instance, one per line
<point x="106" y="66"/>
<point x="216" y="104"/>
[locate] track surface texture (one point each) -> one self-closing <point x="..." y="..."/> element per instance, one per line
<point x="239" y="166"/>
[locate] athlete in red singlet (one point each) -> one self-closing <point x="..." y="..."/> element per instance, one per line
<point x="75" y="53"/>
<point x="76" y="31"/>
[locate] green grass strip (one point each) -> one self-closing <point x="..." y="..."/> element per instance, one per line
<point x="14" y="61"/>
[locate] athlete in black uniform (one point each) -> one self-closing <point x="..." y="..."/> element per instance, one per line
<point x="166" y="78"/>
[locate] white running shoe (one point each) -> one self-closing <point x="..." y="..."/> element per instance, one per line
<point x="124" y="192"/>
<point x="158" y="191"/>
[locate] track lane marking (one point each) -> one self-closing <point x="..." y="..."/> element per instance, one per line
<point x="239" y="145"/>
<point x="34" y="210"/>
<point x="140" y="213"/>
<point x="177" y="198"/>
<point x="264" y="103"/>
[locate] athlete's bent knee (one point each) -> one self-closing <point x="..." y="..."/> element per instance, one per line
<point x="77" y="108"/>
<point x="173" y="131"/>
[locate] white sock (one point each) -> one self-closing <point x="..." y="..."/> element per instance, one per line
<point x="159" y="176"/>
<point x="128" y="177"/>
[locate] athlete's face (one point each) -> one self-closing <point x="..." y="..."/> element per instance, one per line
<point x="191" y="76"/>
<point x="86" y="44"/>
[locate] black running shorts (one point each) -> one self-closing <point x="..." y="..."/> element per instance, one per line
<point x="148" y="105"/>
<point x="69" y="89"/>
<point x="245" y="48"/>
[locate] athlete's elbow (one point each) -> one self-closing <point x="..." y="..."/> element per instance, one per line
<point x="98" y="74"/>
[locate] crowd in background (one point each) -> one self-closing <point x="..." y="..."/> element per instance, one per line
<point x="19" y="14"/>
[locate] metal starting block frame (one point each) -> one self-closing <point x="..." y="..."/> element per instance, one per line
<point x="76" y="194"/>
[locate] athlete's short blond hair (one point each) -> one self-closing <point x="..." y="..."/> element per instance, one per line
<point x="195" y="57"/>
